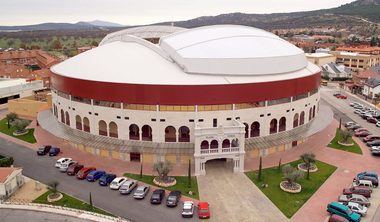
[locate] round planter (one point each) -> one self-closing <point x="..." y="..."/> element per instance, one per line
<point x="162" y="184"/>
<point x="313" y="168"/>
<point x="20" y="134"/>
<point x="284" y="188"/>
<point x="50" y="200"/>
<point x="345" y="144"/>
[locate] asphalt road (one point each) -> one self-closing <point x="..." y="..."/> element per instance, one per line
<point x="43" y="170"/>
<point x="10" y="215"/>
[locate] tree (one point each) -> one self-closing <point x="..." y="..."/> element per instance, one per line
<point x="291" y="175"/>
<point x="260" y="169"/>
<point x="189" y="175"/>
<point x="163" y="168"/>
<point x="141" y="170"/>
<point x="94" y="43"/>
<point x="10" y="118"/>
<point x="340" y="123"/>
<point x="91" y="206"/>
<point x="309" y="160"/>
<point x="20" y="125"/>
<point x="279" y="165"/>
<point x="53" y="187"/>
<point x="346" y="135"/>
<point x="56" y="44"/>
<point x="6" y="162"/>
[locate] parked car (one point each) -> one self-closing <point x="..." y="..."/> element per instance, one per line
<point x="157" y="196"/>
<point x="344" y="211"/>
<point x="95" y="175"/>
<point x="354" y="127"/>
<point x="188" y="209"/>
<point x="60" y="161"/>
<point x="337" y="218"/>
<point x="82" y="174"/>
<point x="341" y="97"/>
<point x="117" y="182"/>
<point x="360" y="130"/>
<point x="372" y="120"/>
<point x="141" y="192"/>
<point x="368" y="174"/>
<point x="357" y="208"/>
<point x="106" y="179"/>
<point x="374" y="143"/>
<point x="362" y="134"/>
<point x="365" y="179"/>
<point x="64" y="166"/>
<point x="42" y="151"/>
<point x="173" y="198"/>
<point x="357" y="111"/>
<point x="354" y="198"/>
<point x="371" y="138"/>
<point x="54" y="151"/>
<point x="336" y="94"/>
<point x="365" y="191"/>
<point x="74" y="169"/>
<point x="128" y="186"/>
<point x="204" y="210"/>
<point x="375" y="150"/>
<point x="378" y="124"/>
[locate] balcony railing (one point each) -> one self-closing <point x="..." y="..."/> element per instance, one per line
<point x="222" y="150"/>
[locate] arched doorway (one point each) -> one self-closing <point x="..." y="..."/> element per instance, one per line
<point x="313" y="111"/>
<point x="255" y="129"/>
<point x="302" y="118"/>
<point x="78" y="122"/>
<point x="246" y="130"/>
<point x="103" y="128"/>
<point x="86" y="124"/>
<point x="295" y="120"/>
<point x="134" y="132"/>
<point x="113" y="130"/>
<point x="184" y="134"/>
<point x="282" y="124"/>
<point x="235" y="143"/>
<point x="214" y="144"/>
<point x="170" y="134"/>
<point x="226" y="143"/>
<point x="67" y="117"/>
<point x="310" y="113"/>
<point x="273" y="126"/>
<point x="205" y="145"/>
<point x="62" y="116"/>
<point x="147" y="133"/>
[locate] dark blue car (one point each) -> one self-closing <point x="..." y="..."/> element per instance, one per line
<point x="106" y="179"/>
<point x="95" y="175"/>
<point x="54" y="151"/>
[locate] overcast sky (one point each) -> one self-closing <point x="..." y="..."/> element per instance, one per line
<point x="138" y="12"/>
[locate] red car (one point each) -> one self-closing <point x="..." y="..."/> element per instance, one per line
<point x="361" y="190"/>
<point x="372" y="120"/>
<point x="337" y="218"/>
<point x="341" y="97"/>
<point x="362" y="133"/>
<point x="203" y="210"/>
<point x="82" y="174"/>
<point x="360" y="130"/>
<point x="371" y="138"/>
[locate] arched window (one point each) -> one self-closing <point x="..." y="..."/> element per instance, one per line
<point x="295" y="120"/>
<point x="205" y="145"/>
<point x="78" y="122"/>
<point x="246" y="130"/>
<point x="134" y="132"/>
<point x="184" y="134"/>
<point x="255" y="129"/>
<point x="214" y="144"/>
<point x="302" y="118"/>
<point x="310" y="113"/>
<point x="67" y="117"/>
<point x="113" y="130"/>
<point x="62" y="116"/>
<point x="103" y="128"/>
<point x="226" y="143"/>
<point x="170" y="134"/>
<point x="273" y="126"/>
<point x="235" y="143"/>
<point x="282" y="124"/>
<point x="313" y="111"/>
<point x="86" y="124"/>
<point x="147" y="133"/>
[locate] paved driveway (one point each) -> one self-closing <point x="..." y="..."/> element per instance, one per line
<point x="11" y="215"/>
<point x="233" y="197"/>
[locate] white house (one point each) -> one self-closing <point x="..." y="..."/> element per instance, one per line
<point x="332" y="71"/>
<point x="10" y="180"/>
<point x="372" y="87"/>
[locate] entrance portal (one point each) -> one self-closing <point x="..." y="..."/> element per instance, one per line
<point x="219" y="165"/>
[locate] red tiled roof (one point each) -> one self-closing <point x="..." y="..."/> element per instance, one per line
<point x="5" y="172"/>
<point x="367" y="74"/>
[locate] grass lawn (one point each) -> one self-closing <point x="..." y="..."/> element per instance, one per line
<point x="334" y="144"/>
<point x="29" y="137"/>
<point x="71" y="202"/>
<point x="290" y="203"/>
<point x="181" y="183"/>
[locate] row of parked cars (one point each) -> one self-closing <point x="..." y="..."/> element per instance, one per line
<point x="367" y="113"/>
<point x="372" y="141"/>
<point x="353" y="204"/>
<point x="125" y="185"/>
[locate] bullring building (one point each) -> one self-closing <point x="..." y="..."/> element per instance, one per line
<point x="215" y="92"/>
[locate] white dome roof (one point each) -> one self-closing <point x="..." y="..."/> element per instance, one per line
<point x="202" y="56"/>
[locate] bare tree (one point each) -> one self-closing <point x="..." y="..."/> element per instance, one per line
<point x="309" y="160"/>
<point x="163" y="168"/>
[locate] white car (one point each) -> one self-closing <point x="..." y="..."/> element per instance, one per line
<point x="357" y="208"/>
<point x="188" y="209"/>
<point x="357" y="111"/>
<point x="378" y="124"/>
<point x="61" y="161"/>
<point x="65" y="165"/>
<point x="117" y="182"/>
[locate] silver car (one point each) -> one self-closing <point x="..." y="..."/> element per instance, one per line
<point x="356" y="198"/>
<point x="127" y="186"/>
<point x="65" y="166"/>
<point x="141" y="192"/>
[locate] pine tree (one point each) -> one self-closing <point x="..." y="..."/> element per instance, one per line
<point x="260" y="169"/>
<point x="189" y="175"/>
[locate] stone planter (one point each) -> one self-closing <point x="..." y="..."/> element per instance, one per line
<point x="296" y="189"/>
<point x="54" y="199"/>
<point x="20" y="134"/>
<point x="345" y="144"/>
<point x="162" y="184"/>
<point x="302" y="167"/>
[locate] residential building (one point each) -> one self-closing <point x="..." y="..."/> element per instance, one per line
<point x="356" y="61"/>
<point x="360" y="49"/>
<point x="336" y="71"/>
<point x="11" y="180"/>
<point x="371" y="88"/>
<point x="320" y="59"/>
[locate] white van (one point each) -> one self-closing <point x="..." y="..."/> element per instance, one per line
<point x="364" y="183"/>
